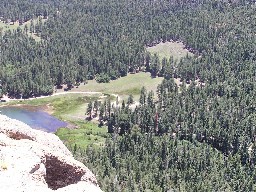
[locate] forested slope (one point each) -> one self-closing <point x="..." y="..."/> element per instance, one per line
<point x="139" y="162"/>
<point x="218" y="111"/>
<point x="106" y="39"/>
<point x="81" y="40"/>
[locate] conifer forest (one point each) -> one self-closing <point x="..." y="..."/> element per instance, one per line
<point x="199" y="135"/>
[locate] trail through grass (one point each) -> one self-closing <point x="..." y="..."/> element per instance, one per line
<point x="71" y="107"/>
<point x="124" y="86"/>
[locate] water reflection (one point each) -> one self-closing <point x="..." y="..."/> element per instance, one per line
<point x="34" y="118"/>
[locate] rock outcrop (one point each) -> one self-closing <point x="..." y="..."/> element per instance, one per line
<point x="33" y="160"/>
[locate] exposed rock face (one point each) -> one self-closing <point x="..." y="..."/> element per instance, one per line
<point x="32" y="160"/>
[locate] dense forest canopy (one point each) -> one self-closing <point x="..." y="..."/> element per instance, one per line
<point x="107" y="39"/>
<point x="199" y="136"/>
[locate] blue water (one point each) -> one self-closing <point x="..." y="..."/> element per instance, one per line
<point x="34" y="118"/>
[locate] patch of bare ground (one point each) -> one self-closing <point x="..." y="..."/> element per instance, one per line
<point x="167" y="49"/>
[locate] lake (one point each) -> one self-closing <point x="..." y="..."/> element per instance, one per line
<point x="35" y="118"/>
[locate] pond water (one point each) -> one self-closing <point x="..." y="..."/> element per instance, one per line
<point x="35" y="118"/>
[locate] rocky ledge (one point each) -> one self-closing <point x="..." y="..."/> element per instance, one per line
<point x="33" y="160"/>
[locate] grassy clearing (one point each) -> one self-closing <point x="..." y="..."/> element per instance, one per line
<point x="6" y="27"/>
<point x="88" y="133"/>
<point x="72" y="107"/>
<point x="66" y="107"/>
<point x="124" y="86"/>
<point x="167" y="49"/>
<point x="14" y="26"/>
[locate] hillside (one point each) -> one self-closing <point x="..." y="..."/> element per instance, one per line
<point x="176" y="109"/>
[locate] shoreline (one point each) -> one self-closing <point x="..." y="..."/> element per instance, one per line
<point x="7" y="99"/>
<point x="9" y="102"/>
<point x="48" y="108"/>
<point x="44" y="108"/>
